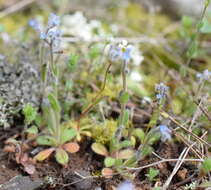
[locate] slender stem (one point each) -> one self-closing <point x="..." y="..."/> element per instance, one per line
<point x="197" y="31"/>
<point x="96" y="99"/>
<point x="55" y="73"/>
<point x="124" y="90"/>
<point x="118" y="133"/>
<point x="164" y="160"/>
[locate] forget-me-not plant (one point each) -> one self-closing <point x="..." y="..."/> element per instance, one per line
<point x="165" y="132"/>
<point x="161" y="90"/>
<point x="52" y="34"/>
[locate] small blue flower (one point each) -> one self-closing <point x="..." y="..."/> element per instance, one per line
<point x="53" y="20"/>
<point x="126" y="185"/>
<point x="165" y="132"/>
<point x="43" y="36"/>
<point x="114" y="53"/>
<point x="205" y="75"/>
<point x="34" y="24"/>
<point x="121" y="51"/>
<point x="54" y="34"/>
<point x="126" y="53"/>
<point x="161" y="90"/>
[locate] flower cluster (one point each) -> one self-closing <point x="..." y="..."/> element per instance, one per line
<point x="122" y="51"/>
<point x="161" y="90"/>
<point x="165" y="133"/>
<point x="52" y="34"/>
<point x="205" y="75"/>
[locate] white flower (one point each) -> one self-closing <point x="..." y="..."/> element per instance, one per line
<point x="136" y="56"/>
<point x="136" y="76"/>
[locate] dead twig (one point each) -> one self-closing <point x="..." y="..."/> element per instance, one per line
<point x="166" y="115"/>
<point x="16" y="7"/>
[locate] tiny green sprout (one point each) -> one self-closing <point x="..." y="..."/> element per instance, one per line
<point x="94" y="52"/>
<point x="152" y="173"/>
<point x="30" y="113"/>
<point x="206" y="166"/>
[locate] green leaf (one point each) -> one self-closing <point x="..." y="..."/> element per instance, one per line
<point x="72" y="62"/>
<point x="124" y="98"/>
<point x="43" y="72"/>
<point x="30" y="113"/>
<point x="61" y="156"/>
<point x="193" y="49"/>
<point x="109" y="161"/>
<point x="126" y="117"/>
<point x="146" y="150"/>
<point x="152" y="173"/>
<point x="54" y="103"/>
<point x="187" y="22"/>
<point x="94" y="52"/>
<point x="153" y="136"/>
<point x="118" y="162"/>
<point x="69" y="84"/>
<point x="206" y="28"/>
<point x="125" y="143"/>
<point x="46" y="140"/>
<point x="32" y="130"/>
<point x="67" y="135"/>
<point x="206" y="165"/>
<point x="139" y="133"/>
<point x="99" y="149"/>
<point x="126" y="154"/>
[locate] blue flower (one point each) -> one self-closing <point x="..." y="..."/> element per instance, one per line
<point x="121" y="51"/>
<point x="205" y="75"/>
<point x="161" y="90"/>
<point x="126" y="53"/>
<point x="165" y="132"/>
<point x="126" y="185"/>
<point x="114" y="53"/>
<point x="53" y="20"/>
<point x="43" y="36"/>
<point x="34" y="24"/>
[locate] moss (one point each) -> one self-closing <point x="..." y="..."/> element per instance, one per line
<point x="103" y="132"/>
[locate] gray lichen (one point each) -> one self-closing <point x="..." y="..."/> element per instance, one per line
<point x="19" y="84"/>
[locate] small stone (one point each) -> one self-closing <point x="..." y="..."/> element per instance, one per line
<point x="21" y="183"/>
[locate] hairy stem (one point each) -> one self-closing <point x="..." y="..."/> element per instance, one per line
<point x="123" y="105"/>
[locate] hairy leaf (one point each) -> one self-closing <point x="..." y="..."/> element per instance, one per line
<point x="71" y="147"/>
<point x="99" y="149"/>
<point x="125" y="154"/>
<point x="44" y="154"/>
<point x="61" y="156"/>
<point x="109" y="161"/>
<point x="46" y="140"/>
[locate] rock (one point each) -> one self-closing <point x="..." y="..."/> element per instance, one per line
<point x="21" y="183"/>
<point x="80" y="184"/>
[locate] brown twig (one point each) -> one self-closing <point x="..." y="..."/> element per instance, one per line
<point x="16" y="7"/>
<point x="179" y="125"/>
